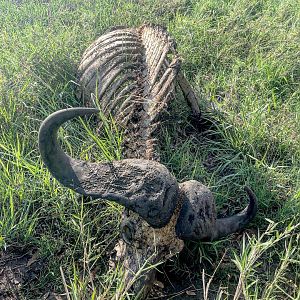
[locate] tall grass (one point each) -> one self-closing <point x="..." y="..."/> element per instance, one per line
<point x="242" y="58"/>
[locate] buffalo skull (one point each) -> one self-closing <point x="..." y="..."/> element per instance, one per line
<point x="130" y="74"/>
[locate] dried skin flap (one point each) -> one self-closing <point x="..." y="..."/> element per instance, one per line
<point x="131" y="73"/>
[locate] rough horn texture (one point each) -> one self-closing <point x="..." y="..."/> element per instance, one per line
<point x="146" y="187"/>
<point x="198" y="218"/>
<point x="229" y="225"/>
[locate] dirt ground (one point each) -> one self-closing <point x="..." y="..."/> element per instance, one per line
<point x="20" y="268"/>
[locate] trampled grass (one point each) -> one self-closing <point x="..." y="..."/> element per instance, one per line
<point x="242" y="57"/>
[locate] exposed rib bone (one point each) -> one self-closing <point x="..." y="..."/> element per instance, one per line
<point x="156" y="56"/>
<point x="151" y="55"/>
<point x="113" y="34"/>
<point x="159" y="65"/>
<point x="128" y="54"/>
<point x="187" y="91"/>
<point x="106" y="67"/>
<point x="108" y="41"/>
<point x="114" y="87"/>
<point x="114" y="75"/>
<point x="129" y="47"/>
<point x="189" y="94"/>
<point x="119" y="97"/>
<point x="137" y="99"/>
<point x="162" y="82"/>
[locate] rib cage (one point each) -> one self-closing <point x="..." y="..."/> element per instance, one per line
<point x="130" y="73"/>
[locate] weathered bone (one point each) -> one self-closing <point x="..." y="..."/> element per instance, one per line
<point x="132" y="72"/>
<point x="149" y="78"/>
<point x="146" y="187"/>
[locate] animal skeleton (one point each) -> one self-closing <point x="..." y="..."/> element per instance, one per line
<point x="132" y="73"/>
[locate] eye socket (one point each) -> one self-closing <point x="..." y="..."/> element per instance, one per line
<point x="127" y="232"/>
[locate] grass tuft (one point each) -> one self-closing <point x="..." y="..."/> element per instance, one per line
<point x="242" y="58"/>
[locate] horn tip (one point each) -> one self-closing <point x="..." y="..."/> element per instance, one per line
<point x="251" y="210"/>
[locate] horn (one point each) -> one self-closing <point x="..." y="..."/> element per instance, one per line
<point x="226" y="226"/>
<point x="143" y="186"/>
<point x="198" y="219"/>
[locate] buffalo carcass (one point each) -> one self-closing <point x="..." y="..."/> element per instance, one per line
<point x="131" y="73"/>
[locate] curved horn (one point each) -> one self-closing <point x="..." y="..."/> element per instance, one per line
<point x="197" y="219"/>
<point x="226" y="226"/>
<point x="144" y="186"/>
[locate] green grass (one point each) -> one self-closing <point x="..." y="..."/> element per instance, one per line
<point x="242" y="57"/>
